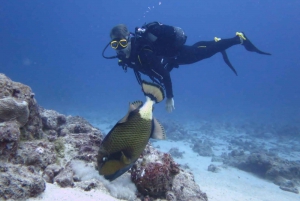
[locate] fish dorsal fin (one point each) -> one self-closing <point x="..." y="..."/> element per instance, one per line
<point x="132" y="106"/>
<point x="158" y="131"/>
<point x="137" y="104"/>
<point x="124" y="159"/>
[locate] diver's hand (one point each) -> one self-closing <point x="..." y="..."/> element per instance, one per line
<point x="170" y="104"/>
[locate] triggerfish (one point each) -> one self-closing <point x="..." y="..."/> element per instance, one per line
<point x="125" y="142"/>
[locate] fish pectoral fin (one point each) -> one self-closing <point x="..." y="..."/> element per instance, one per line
<point x="158" y="131"/>
<point x="132" y="106"/>
<point x="124" y="159"/>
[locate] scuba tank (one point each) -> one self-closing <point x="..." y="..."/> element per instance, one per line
<point x="166" y="40"/>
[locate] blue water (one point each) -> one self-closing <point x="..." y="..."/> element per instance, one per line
<point x="55" y="47"/>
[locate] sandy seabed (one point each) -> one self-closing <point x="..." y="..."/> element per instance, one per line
<point x="229" y="184"/>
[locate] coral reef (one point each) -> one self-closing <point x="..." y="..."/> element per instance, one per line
<point x="16" y="100"/>
<point x="39" y="145"/>
<point x="203" y="148"/>
<point x="156" y="175"/>
<point x="18" y="182"/>
<point x="185" y="188"/>
<point x="176" y="153"/>
<point x="9" y="139"/>
<point x="282" y="172"/>
<point x="10" y="109"/>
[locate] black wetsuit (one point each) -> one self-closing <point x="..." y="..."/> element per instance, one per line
<point x="146" y="56"/>
<point x="204" y="49"/>
<point x="144" y="59"/>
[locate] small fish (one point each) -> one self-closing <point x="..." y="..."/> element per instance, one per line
<point x="126" y="141"/>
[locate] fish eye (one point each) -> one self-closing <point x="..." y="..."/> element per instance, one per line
<point x="104" y="159"/>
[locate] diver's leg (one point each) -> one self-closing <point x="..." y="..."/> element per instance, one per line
<point x="206" y="49"/>
<point x="248" y="45"/>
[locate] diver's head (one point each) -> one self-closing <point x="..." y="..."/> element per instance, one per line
<point x="120" y="40"/>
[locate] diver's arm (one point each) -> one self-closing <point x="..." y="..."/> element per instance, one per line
<point x="166" y="80"/>
<point x="156" y="69"/>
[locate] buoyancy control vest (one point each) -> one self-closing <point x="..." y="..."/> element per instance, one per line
<point x="165" y="40"/>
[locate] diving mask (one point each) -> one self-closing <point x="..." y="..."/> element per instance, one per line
<point x="119" y="44"/>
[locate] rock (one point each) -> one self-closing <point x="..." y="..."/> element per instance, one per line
<point x="52" y="135"/>
<point x="267" y="166"/>
<point x="50" y="172"/>
<point x="63" y="132"/>
<point x="176" y="153"/>
<point x="185" y="188"/>
<point x="290" y="189"/>
<point x="37" y="153"/>
<point x="19" y="182"/>
<point x="156" y="175"/>
<point x="51" y="119"/>
<point x="65" y="177"/>
<point x="37" y="144"/>
<point x="13" y="109"/>
<point x="202" y="148"/>
<point x="9" y="139"/>
<point x="170" y="196"/>
<point x="153" y="175"/>
<point x="213" y="168"/>
<point x="17" y="100"/>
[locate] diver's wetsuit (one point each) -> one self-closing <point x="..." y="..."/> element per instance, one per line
<point x="204" y="49"/>
<point x="143" y="60"/>
<point x="146" y="56"/>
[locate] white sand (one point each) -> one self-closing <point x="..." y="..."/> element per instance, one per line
<point x="229" y="184"/>
<point x="56" y="193"/>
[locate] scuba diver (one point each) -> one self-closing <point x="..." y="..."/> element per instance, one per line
<point x="155" y="49"/>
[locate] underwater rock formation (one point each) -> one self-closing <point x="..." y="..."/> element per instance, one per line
<point x="16" y="100"/>
<point x="18" y="182"/>
<point x="203" y="148"/>
<point x="282" y="172"/>
<point x="9" y="139"/>
<point x="176" y="153"/>
<point x="38" y="154"/>
<point x="156" y="175"/>
<point x="38" y="145"/>
<point x="10" y="109"/>
<point x="185" y="188"/>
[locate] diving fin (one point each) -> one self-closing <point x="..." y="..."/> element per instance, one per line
<point x="225" y="57"/>
<point x="248" y="45"/>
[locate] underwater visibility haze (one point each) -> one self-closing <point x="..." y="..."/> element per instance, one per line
<point x="55" y="47"/>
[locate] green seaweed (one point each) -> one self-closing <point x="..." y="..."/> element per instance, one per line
<point x="60" y="147"/>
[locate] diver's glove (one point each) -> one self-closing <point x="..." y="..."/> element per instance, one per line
<point x="170" y="104"/>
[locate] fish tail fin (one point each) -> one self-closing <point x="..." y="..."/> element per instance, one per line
<point x="153" y="91"/>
